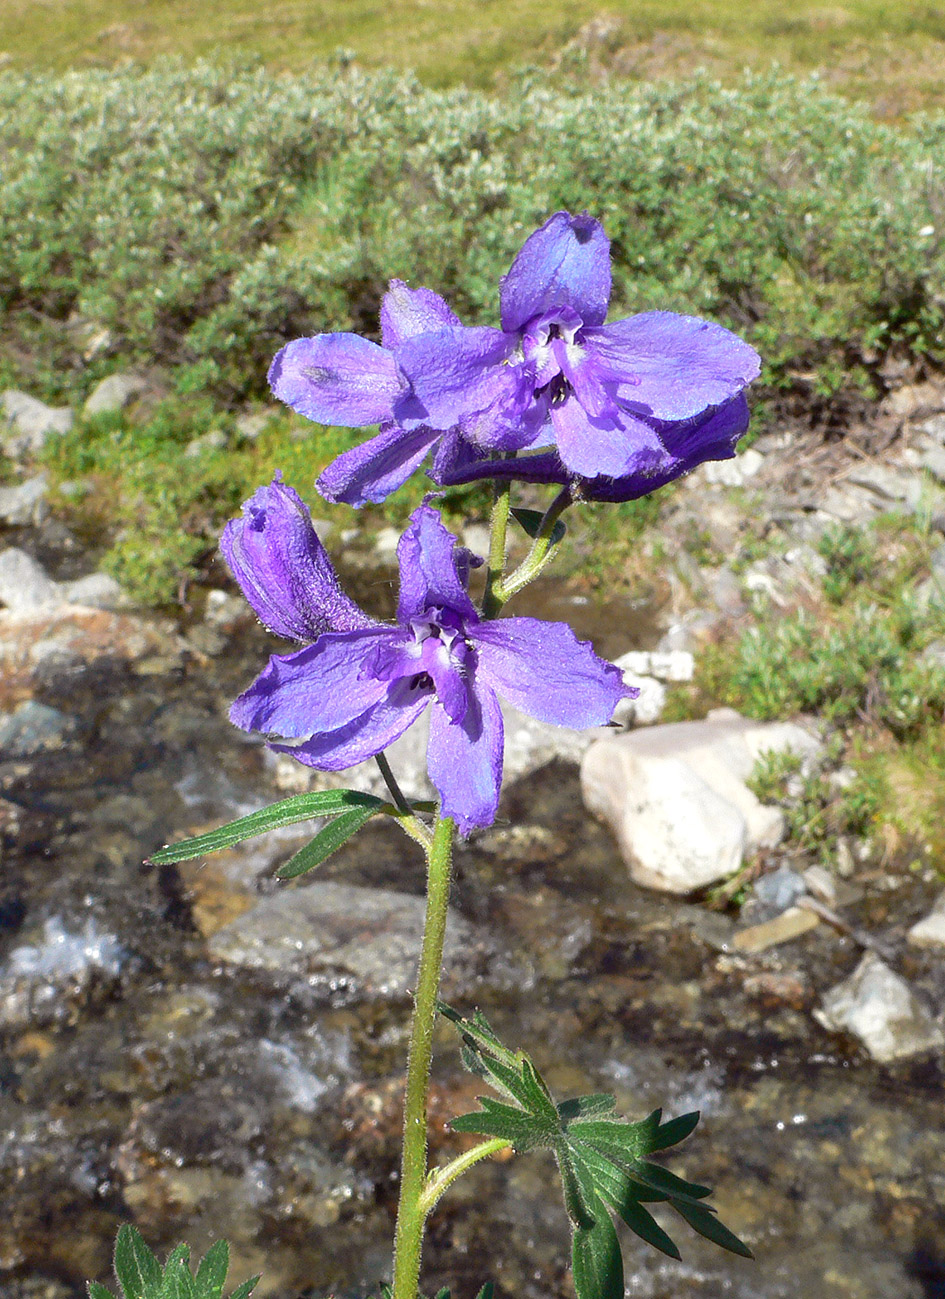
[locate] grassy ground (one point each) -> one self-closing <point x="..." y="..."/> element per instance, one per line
<point x="891" y="54"/>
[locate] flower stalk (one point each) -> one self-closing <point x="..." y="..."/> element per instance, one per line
<point x="411" y="1211"/>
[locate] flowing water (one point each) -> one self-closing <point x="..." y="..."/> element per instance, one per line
<point x="141" y="1078"/>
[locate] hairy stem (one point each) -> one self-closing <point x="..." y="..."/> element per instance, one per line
<point x="541" y="550"/>
<point x="501" y="503"/>
<point x="440" y="1180"/>
<point x="410" y="1213"/>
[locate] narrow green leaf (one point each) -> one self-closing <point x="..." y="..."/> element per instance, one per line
<point x="642" y="1223"/>
<point x="246" y="1289"/>
<point x="704" y="1221"/>
<point x="444" y="1293"/>
<point x="328" y="840"/>
<point x="138" y="1271"/>
<point x="674" y="1130"/>
<point x="512" y="1125"/>
<point x="98" y="1291"/>
<point x="581" y="1200"/>
<point x="301" y="807"/>
<point x="211" y="1272"/>
<point x="487" y="1291"/>
<point x="595" y="1258"/>
<point x="530" y="521"/>
<point x="538" y="1096"/>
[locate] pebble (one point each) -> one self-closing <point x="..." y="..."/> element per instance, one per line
<point x="24" y="586"/>
<point x="790" y="924"/>
<point x="25" y="503"/>
<point x="215" y="440"/>
<point x="877" y="1006"/>
<point x="33" y="728"/>
<point x="930" y="932"/>
<point x="666" y="665"/>
<point x="733" y="473"/>
<point x="31" y="423"/>
<point x="113" y="393"/>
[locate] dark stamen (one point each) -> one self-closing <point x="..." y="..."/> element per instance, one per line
<point x="558" y="390"/>
<point x="422" y="681"/>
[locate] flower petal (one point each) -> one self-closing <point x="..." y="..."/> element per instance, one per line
<point x="453" y="373"/>
<point x="589" y="446"/>
<point x="317" y="688"/>
<point x="543" y="669"/>
<point x="565" y="263"/>
<point x="672" y="367"/>
<point x="283" y="569"/>
<point x="370" y="733"/>
<point x="428" y="572"/>
<point x="378" y="467"/>
<point x="406" y="312"/>
<point x="464" y="760"/>
<point x="338" y="379"/>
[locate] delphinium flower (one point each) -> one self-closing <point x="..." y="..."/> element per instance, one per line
<point x="361" y="683"/>
<point x="616" y="401"/>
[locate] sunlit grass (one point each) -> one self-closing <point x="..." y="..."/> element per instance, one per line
<point x="892" y="54"/>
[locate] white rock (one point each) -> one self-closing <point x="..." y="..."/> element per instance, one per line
<point x="214" y="440"/>
<point x="666" y="665"/>
<point x="24" y="586"/>
<point x="934" y="461"/>
<point x="930" y="932"/>
<point x="677" y="800"/>
<point x="113" y="393"/>
<point x="386" y="541"/>
<point x="733" y="473"/>
<point x="648" y="706"/>
<point x="31" y="423"/>
<point x="879" y="1007"/>
<point x="26" y="503"/>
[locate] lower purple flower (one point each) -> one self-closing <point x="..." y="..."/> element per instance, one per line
<point x="351" y="693"/>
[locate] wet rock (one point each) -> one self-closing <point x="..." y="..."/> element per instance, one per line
<point x="783" y="928"/>
<point x="930" y="932"/>
<point x="46" y="981"/>
<point x="24" y="586"/>
<point x="26" y="503"/>
<point x="780" y="889"/>
<point x="43" y="647"/>
<point x="677" y="800"/>
<point x="33" y="728"/>
<point x="361" y="940"/>
<point x="113" y="393"/>
<point x="879" y="1007"/>
<point x="30" y="423"/>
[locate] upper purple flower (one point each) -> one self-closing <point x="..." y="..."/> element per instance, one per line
<point x="613" y="399"/>
<point x="362" y="683"/>
<point x="555" y="372"/>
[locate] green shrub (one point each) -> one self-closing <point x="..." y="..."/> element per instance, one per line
<point x="202" y="215"/>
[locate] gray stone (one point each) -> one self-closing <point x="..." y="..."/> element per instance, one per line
<point x="934" y="461"/>
<point x="648" y="706"/>
<point x="113" y="393"/>
<point x="676" y="797"/>
<point x="888" y="482"/>
<point x="43" y="981"/>
<point x="879" y="1007"/>
<point x="25" y="503"/>
<point x="95" y="591"/>
<point x="780" y="889"/>
<point x="930" y="932"/>
<point x="934" y="428"/>
<point x="365" y="940"/>
<point x="24" y="586"/>
<point x="33" y="728"/>
<point x="31" y="423"/>
<point x="251" y="423"/>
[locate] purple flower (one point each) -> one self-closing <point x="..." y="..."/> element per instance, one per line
<point x="362" y="683"/>
<point x="347" y="380"/>
<point x="607" y="395"/>
<point x="710" y="436"/>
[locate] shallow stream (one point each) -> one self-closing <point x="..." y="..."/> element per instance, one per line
<point x="150" y="1081"/>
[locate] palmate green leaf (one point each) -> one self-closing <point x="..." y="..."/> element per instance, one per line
<point x="530" y="521"/>
<point x="603" y="1159"/>
<point x="141" y="1276"/>
<point x="300" y="807"/>
<point x="329" y="838"/>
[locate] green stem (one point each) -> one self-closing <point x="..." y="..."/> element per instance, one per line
<point x="540" y="552"/>
<point x="410" y="1213"/>
<point x="501" y="504"/>
<point x="402" y="812"/>
<point x="442" y="1178"/>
